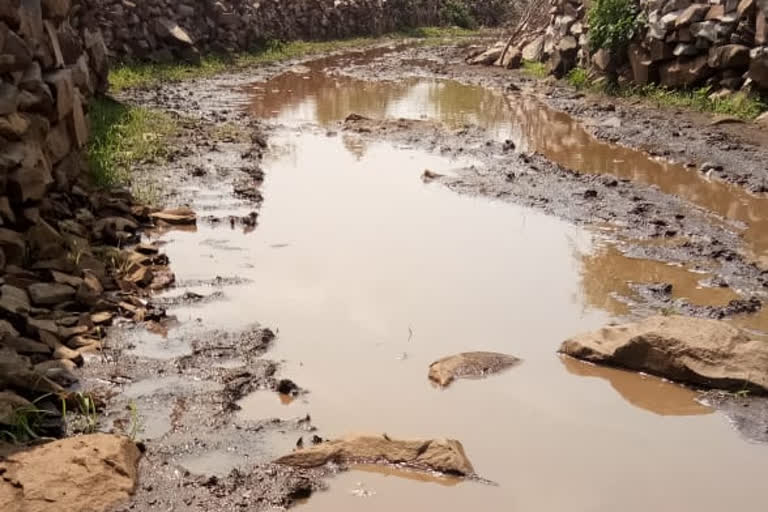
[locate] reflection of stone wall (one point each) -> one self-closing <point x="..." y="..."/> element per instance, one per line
<point x="158" y="29"/>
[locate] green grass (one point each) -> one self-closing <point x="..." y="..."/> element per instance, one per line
<point x="141" y="74"/>
<point x="740" y="105"/>
<point x="579" y="78"/>
<point x="535" y="69"/>
<point x="123" y="136"/>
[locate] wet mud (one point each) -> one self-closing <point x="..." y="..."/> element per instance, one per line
<point x="364" y="215"/>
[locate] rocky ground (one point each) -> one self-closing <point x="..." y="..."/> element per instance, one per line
<point x="219" y="144"/>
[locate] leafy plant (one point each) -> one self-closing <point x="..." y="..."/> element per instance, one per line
<point x="135" y="426"/>
<point x="579" y="78"/>
<point x="613" y="24"/>
<point x="25" y="423"/>
<point x="86" y="411"/>
<point x="458" y="13"/>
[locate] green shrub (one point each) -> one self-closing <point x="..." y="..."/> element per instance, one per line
<point x="579" y="78"/>
<point x="457" y="12"/>
<point x="613" y="24"/>
<point x="535" y="69"/>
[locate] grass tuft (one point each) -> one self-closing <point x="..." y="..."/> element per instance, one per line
<point x="739" y="104"/>
<point x="123" y="136"/>
<point x="535" y="69"/>
<point x="579" y="78"/>
<point x="142" y="74"/>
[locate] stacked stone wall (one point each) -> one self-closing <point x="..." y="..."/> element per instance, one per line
<point x="681" y="44"/>
<point x="161" y="30"/>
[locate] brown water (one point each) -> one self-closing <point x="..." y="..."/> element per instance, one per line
<point x="307" y="94"/>
<point x="370" y="275"/>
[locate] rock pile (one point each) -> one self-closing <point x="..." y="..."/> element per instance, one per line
<point x="62" y="277"/>
<point x="160" y="30"/>
<point x="687" y="43"/>
<point x="721" y="43"/>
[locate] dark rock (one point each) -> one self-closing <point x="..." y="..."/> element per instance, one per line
<point x="49" y="294"/>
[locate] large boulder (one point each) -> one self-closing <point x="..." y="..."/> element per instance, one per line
<point x="729" y="56"/>
<point x="703" y="352"/>
<point x="469" y="364"/>
<point x="172" y="32"/>
<point x="489" y="56"/>
<point x="684" y="72"/>
<point x="442" y="455"/>
<point x="89" y="473"/>
<point x="534" y="51"/>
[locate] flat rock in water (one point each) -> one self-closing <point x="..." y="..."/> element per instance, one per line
<point x="442" y="455"/>
<point x="699" y="351"/>
<point x="93" y="472"/>
<point x="469" y="364"/>
<point x="184" y="216"/>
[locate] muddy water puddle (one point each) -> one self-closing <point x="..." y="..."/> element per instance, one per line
<point x="367" y="275"/>
<point x="310" y="94"/>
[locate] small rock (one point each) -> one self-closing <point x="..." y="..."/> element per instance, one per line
<point x="469" y="364"/>
<point x="442" y="455"/>
<point x="179" y="216"/>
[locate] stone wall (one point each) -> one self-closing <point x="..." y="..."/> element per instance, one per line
<point x="685" y="43"/>
<point x="54" y="229"/>
<point x="48" y="71"/>
<point x="163" y="29"/>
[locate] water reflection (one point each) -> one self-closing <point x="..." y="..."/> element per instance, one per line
<point x="312" y="95"/>
<point x="608" y="274"/>
<point x="562" y="139"/>
<point x="646" y="392"/>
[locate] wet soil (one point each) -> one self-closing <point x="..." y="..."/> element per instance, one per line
<point x="347" y="237"/>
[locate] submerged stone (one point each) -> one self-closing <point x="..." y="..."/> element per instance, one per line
<point x="442" y="455"/>
<point x="469" y="364"/>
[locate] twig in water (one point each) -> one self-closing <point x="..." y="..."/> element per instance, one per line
<point x="410" y="333"/>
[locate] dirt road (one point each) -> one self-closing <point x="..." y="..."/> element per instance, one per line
<point x="381" y="210"/>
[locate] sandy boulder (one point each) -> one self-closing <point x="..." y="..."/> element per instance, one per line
<point x="88" y="473"/>
<point x="703" y="352"/>
<point x="441" y="455"/>
<point x="469" y="364"/>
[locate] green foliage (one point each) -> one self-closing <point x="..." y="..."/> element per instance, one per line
<point x="458" y="13"/>
<point x="136" y="426"/>
<point x="142" y="74"/>
<point x="613" y="24"/>
<point x="535" y="69"/>
<point x="122" y="136"/>
<point x="579" y="78"/>
<point x="25" y="424"/>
